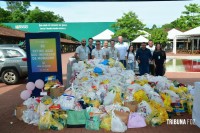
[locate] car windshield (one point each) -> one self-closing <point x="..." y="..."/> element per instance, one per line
<point x="10" y="53"/>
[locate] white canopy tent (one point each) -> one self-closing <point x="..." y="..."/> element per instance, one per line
<point x="190" y="34"/>
<point x="105" y="35"/>
<point x="146" y="34"/>
<point x="140" y="39"/>
<point x="172" y="33"/>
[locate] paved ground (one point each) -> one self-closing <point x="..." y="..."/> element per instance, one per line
<point x="9" y="99"/>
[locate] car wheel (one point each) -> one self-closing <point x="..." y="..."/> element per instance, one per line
<point x="10" y="76"/>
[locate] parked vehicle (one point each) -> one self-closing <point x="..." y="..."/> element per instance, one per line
<point x="13" y="64"/>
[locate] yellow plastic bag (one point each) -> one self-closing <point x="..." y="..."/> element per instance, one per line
<point x="45" y="121"/>
<point x="141" y="82"/>
<point x="106" y="123"/>
<point x="163" y="115"/>
<point x="95" y="103"/>
<point x="158" y="111"/>
<point x="156" y="121"/>
<point x="106" y="81"/>
<point x="47" y="100"/>
<point x="117" y="98"/>
<point x="167" y="102"/>
<point x="86" y="100"/>
<point x="55" y="125"/>
<point x="140" y="95"/>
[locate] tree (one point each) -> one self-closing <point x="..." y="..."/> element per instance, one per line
<point x="18" y="5"/>
<point x="39" y="16"/>
<point x="189" y="19"/>
<point x="128" y="26"/>
<point x="159" y="36"/>
<point x="18" y="17"/>
<point x="5" y="16"/>
<point x="168" y="26"/>
<point x="19" y="10"/>
<point x="154" y="27"/>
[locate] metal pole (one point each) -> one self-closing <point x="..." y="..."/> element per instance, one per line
<point x="174" y="45"/>
<point x="192" y="45"/>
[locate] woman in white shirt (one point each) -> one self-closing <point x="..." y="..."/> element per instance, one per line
<point x="130" y="57"/>
<point x="98" y="53"/>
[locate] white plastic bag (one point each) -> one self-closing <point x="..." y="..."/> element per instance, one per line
<point x="174" y="97"/>
<point x="66" y="102"/>
<point x="31" y="103"/>
<point x="144" y="109"/>
<point x="156" y="97"/>
<point x="30" y="116"/>
<point x="41" y="108"/>
<point x="109" y="98"/>
<point x="117" y="125"/>
<point x="196" y="105"/>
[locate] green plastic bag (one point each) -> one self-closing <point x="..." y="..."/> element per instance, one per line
<point x="76" y="117"/>
<point x="93" y="123"/>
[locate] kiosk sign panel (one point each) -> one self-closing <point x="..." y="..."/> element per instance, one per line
<point x="44" y="57"/>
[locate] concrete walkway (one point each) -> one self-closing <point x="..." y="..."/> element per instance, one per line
<point x="10" y="98"/>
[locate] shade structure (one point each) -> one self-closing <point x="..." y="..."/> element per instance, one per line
<point x="105" y="35"/>
<point x="140" y="39"/>
<point x="172" y="33"/>
<point x="195" y="31"/>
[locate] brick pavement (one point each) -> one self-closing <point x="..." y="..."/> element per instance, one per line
<point x="9" y="99"/>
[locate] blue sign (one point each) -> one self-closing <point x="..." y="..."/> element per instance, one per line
<point x="43" y="57"/>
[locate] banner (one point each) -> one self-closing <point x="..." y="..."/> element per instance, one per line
<point x="44" y="57"/>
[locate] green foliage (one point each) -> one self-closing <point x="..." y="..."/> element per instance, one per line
<point x="18" y="17"/>
<point x="18" y="5"/>
<point x="128" y="26"/>
<point x="154" y="27"/>
<point x="5" y="16"/>
<point x="18" y="12"/>
<point x="38" y="16"/>
<point x="1" y="25"/>
<point x="158" y="35"/>
<point x="188" y="20"/>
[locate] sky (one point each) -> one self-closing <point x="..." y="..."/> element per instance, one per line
<point x="157" y="12"/>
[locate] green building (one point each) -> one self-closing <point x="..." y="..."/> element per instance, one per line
<point x="76" y="30"/>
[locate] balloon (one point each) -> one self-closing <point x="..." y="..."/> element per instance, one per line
<point x="39" y="83"/>
<point x="30" y="86"/>
<point x="30" y="91"/>
<point x="25" y="94"/>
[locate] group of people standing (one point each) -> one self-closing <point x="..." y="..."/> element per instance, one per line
<point x="150" y="58"/>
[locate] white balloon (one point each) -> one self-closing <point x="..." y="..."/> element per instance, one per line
<point x="39" y="84"/>
<point x="30" y="86"/>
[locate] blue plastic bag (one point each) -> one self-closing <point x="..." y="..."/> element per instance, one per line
<point x="105" y="62"/>
<point x="98" y="70"/>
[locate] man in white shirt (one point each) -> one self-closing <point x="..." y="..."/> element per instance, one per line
<point x="98" y="53"/>
<point x="151" y="47"/>
<point x="113" y="52"/>
<point x="82" y="52"/>
<point x="122" y="47"/>
<point x="105" y="48"/>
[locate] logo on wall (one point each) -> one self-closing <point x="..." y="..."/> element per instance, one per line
<point x="21" y="26"/>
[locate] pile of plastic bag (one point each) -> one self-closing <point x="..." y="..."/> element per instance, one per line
<point x="105" y="95"/>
